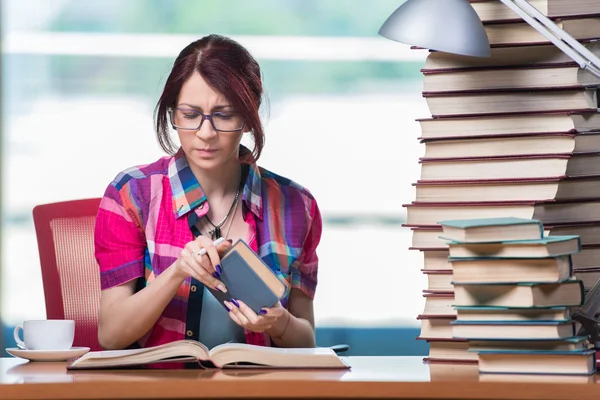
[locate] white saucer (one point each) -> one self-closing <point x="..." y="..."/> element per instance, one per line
<point x="48" y="355"/>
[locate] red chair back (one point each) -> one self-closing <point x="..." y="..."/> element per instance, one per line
<point x="70" y="273"/>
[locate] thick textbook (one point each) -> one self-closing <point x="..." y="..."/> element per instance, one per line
<point x="480" y="230"/>
<point x="523" y="34"/>
<point x="508" y="125"/>
<point x="511" y="270"/>
<point x="518" y="345"/>
<point x="449" y="349"/>
<point x="439" y="305"/>
<point x="511" y="102"/>
<point x="519" y="189"/>
<point x="513" y="329"/>
<point x="550" y="213"/>
<point x="435" y="327"/>
<point x="568" y="293"/>
<point x="510" y="167"/>
<point x="228" y="355"/>
<point x="550" y="246"/>
<point x="493" y="79"/>
<point x="580" y="362"/>
<point x="439" y="281"/>
<point x="494" y="11"/>
<point x="248" y="279"/>
<point x="482" y="313"/>
<point x="540" y="143"/>
<point x="506" y="57"/>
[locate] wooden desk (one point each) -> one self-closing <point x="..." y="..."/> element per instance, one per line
<point x="370" y="377"/>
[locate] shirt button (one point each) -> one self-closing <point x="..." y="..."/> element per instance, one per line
<point x="193" y="288"/>
<point x="189" y="333"/>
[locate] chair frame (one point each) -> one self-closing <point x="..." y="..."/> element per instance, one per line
<point x="43" y="214"/>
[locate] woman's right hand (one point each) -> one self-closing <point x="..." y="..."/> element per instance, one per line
<point x="206" y="267"/>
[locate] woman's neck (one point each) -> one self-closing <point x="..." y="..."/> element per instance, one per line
<point x="219" y="184"/>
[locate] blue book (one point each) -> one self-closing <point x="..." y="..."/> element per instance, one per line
<point x="513" y="329"/>
<point x="482" y="313"/>
<point x="524" y="294"/>
<point x="549" y="246"/>
<point x="578" y="362"/>
<point x="248" y="279"/>
<point x="529" y="344"/>
<point x="491" y="229"/>
<point x="511" y="270"/>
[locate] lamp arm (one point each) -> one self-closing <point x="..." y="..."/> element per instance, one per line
<point x="561" y="39"/>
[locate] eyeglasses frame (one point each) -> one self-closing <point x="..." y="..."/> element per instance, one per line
<point x="204" y="117"/>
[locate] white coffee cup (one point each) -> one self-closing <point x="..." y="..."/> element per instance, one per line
<point x="48" y="334"/>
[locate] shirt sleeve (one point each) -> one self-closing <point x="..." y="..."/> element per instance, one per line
<point x="304" y="269"/>
<point x="119" y="239"/>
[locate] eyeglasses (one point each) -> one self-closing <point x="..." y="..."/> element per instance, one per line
<point x="190" y="119"/>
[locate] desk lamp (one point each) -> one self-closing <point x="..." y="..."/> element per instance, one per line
<point x="453" y="26"/>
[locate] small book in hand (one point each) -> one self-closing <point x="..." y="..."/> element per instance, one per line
<point x="248" y="279"/>
<point x="228" y="355"/>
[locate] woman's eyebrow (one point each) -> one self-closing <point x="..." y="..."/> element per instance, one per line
<point x="189" y="105"/>
<point x="218" y="107"/>
<point x="221" y="107"/>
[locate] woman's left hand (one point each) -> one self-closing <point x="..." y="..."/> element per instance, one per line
<point x="244" y="316"/>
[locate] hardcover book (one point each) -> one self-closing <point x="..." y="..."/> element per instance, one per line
<point x="248" y="279"/>
<point x="482" y="313"/>
<point x="493" y="79"/>
<point x="505" y="57"/>
<point x="521" y="33"/>
<point x="508" y="345"/>
<point x="511" y="102"/>
<point x="479" y="230"/>
<point x="494" y="11"/>
<point x="551" y="246"/>
<point x="512" y="270"/>
<point x="524" y="166"/>
<point x="508" y="125"/>
<point x="568" y="293"/>
<point x="579" y="362"/>
<point x="513" y="329"/>
<point x="228" y="355"/>
<point x="541" y="143"/>
<point x="550" y="213"/>
<point x="519" y="189"/>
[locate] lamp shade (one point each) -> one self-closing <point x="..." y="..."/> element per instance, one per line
<point x="450" y="26"/>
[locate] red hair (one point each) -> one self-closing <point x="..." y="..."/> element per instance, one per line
<point x="230" y="70"/>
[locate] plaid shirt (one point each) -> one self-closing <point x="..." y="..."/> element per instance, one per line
<point x="142" y="226"/>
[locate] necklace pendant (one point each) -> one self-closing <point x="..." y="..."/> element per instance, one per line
<point x="211" y="234"/>
<point x="217" y="232"/>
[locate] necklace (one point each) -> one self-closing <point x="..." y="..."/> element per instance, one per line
<point x="215" y="232"/>
<point x="232" y="218"/>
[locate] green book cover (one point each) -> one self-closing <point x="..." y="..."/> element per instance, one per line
<point x="477" y="222"/>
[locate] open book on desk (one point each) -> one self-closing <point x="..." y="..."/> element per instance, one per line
<point x="228" y="355"/>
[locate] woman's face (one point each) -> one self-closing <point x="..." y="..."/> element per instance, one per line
<point x="206" y="148"/>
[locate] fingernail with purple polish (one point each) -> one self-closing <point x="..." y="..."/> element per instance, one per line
<point x="262" y="311"/>
<point x="227" y="308"/>
<point x="234" y="301"/>
<point x="216" y="275"/>
<point x="219" y="269"/>
<point x="230" y="240"/>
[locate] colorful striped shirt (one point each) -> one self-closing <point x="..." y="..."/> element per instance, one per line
<point x="142" y="226"/>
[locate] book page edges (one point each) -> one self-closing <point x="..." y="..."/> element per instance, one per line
<point x="261" y="269"/>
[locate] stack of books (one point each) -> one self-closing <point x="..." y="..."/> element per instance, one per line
<point x="513" y="135"/>
<point x="515" y="294"/>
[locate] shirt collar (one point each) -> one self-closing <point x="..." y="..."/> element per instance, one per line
<point x="187" y="193"/>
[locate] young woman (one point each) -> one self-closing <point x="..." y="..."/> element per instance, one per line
<point x="154" y="219"/>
